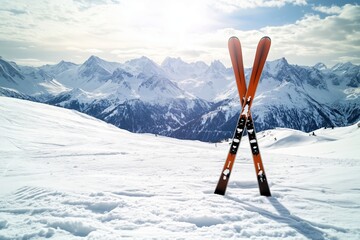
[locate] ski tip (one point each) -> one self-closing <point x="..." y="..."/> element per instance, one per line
<point x="265" y="38"/>
<point x="233" y="38"/>
<point x="234" y="43"/>
<point x="265" y="41"/>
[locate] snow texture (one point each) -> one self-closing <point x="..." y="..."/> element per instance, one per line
<point x="65" y="175"/>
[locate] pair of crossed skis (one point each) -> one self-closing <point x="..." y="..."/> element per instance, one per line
<point x="246" y="95"/>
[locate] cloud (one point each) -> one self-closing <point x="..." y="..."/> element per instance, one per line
<point x="31" y="62"/>
<point x="14" y="11"/>
<point x="86" y="4"/>
<point x="331" y="38"/>
<point x="88" y="50"/>
<point x="311" y="39"/>
<point x="233" y="5"/>
<point x="121" y="30"/>
<point x="328" y="10"/>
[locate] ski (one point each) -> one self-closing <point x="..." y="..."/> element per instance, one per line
<point x="259" y="62"/>
<point x="236" y="60"/>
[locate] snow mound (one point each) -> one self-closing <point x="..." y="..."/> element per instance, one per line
<point x="324" y="142"/>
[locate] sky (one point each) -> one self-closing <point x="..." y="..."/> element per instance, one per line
<point x="305" y="32"/>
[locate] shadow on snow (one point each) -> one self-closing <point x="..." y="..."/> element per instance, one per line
<point x="308" y="229"/>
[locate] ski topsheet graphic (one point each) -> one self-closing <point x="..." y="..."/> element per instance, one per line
<point x="246" y="95"/>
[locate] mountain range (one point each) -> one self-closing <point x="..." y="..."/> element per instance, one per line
<point x="190" y="100"/>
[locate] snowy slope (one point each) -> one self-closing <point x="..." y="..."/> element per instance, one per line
<point x="337" y="142"/>
<point x="65" y="175"/>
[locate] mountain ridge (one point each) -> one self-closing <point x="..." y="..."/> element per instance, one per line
<point x="190" y="100"/>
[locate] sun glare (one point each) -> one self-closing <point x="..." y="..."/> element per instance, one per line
<point x="167" y="16"/>
<point x="182" y="17"/>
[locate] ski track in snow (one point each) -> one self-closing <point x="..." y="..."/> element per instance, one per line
<point x="65" y="175"/>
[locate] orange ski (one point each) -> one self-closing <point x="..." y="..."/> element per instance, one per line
<point x="245" y="119"/>
<point x="238" y="66"/>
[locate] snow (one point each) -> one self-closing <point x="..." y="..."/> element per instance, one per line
<point x="54" y="87"/>
<point x="337" y="142"/>
<point x="179" y="70"/>
<point x="65" y="175"/>
<point x="199" y="79"/>
<point x="352" y="93"/>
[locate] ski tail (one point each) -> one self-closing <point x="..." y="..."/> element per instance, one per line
<point x="225" y="175"/>
<point x="258" y="164"/>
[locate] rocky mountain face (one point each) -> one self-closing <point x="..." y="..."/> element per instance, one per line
<point x="190" y="100"/>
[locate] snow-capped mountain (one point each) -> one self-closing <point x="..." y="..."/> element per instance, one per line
<point x="136" y="95"/>
<point x="93" y="73"/>
<point x="303" y="98"/>
<point x="199" y="79"/>
<point x="179" y="70"/>
<point x="56" y="69"/>
<point x="348" y="71"/>
<point x="190" y="100"/>
<point x="9" y="72"/>
<point x="144" y="66"/>
<point x="30" y="81"/>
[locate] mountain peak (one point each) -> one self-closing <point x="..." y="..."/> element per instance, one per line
<point x="283" y="61"/>
<point x="92" y="60"/>
<point x="144" y="58"/>
<point x="276" y="66"/>
<point x="170" y="61"/>
<point x="176" y="59"/>
<point x="144" y="65"/>
<point x="95" y="62"/>
<point x="140" y="60"/>
<point x="217" y="65"/>
<point x="320" y="66"/>
<point x="65" y="63"/>
<point x="96" y="68"/>
<point x="342" y="66"/>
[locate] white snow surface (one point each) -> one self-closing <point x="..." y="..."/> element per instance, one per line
<point x="65" y="175"/>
